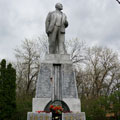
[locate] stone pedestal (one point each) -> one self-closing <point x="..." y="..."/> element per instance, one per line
<point x="73" y="116"/>
<point x="48" y="116"/>
<point x="39" y="116"/>
<point x="57" y="81"/>
<point x="39" y="103"/>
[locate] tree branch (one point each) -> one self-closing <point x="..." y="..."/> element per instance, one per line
<point x="118" y="1"/>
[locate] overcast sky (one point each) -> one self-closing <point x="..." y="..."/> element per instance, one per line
<point x="95" y="21"/>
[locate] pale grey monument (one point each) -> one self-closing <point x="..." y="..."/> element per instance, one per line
<point x="56" y="22"/>
<point x="56" y="82"/>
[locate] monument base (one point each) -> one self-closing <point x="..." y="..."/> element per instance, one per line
<point x="56" y="81"/>
<point x="73" y="116"/>
<point x="48" y="116"/>
<point x="40" y="103"/>
<point x="74" y="104"/>
<point x="39" y="116"/>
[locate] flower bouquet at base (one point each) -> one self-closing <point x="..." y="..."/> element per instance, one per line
<point x="56" y="109"/>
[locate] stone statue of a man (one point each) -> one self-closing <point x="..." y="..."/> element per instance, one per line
<point x="56" y="22"/>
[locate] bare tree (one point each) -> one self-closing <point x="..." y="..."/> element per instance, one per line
<point x="100" y="72"/>
<point x="118" y="1"/>
<point x="76" y="48"/>
<point x="28" y="58"/>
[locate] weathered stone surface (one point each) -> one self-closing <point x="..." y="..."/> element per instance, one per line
<point x="39" y="116"/>
<point x="73" y="116"/>
<point x="63" y="84"/>
<point x="74" y="104"/>
<point x="43" y="89"/>
<point x="48" y="116"/>
<point x="57" y="59"/>
<point x="69" y="82"/>
<point x="67" y="76"/>
<point x="39" y="104"/>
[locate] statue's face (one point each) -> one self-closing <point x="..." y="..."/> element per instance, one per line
<point x="59" y="6"/>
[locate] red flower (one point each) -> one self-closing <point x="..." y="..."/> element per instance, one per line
<point x="56" y="109"/>
<point x="40" y="111"/>
<point x="51" y="106"/>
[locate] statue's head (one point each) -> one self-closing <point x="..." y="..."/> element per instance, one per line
<point x="59" y="6"/>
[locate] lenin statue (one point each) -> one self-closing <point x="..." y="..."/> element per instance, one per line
<point x="56" y="22"/>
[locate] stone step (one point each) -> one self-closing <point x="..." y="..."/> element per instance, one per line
<point x="48" y="116"/>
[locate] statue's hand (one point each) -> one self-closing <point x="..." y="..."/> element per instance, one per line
<point x="48" y="32"/>
<point x="66" y="24"/>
